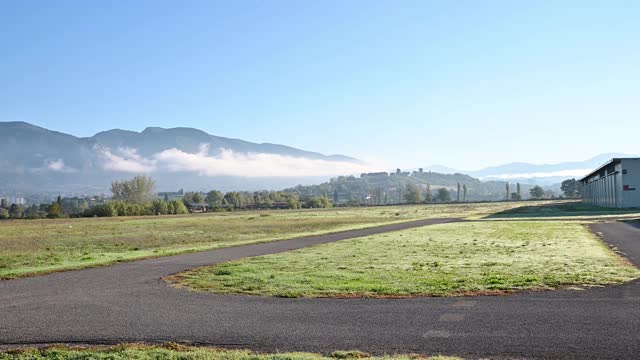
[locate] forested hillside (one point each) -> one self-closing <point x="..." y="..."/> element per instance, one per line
<point x="391" y="188"/>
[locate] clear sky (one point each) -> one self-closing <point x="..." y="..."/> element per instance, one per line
<point x="409" y="83"/>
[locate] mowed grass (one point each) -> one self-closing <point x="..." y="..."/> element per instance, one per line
<point x="562" y="209"/>
<point x="179" y="352"/>
<point x="37" y="246"/>
<point x="439" y="260"/>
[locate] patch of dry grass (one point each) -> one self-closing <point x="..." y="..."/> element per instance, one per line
<point x="175" y="352"/>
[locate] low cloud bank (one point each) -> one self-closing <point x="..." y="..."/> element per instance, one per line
<point x="58" y="166"/>
<point x="226" y="163"/>
<point x="127" y="160"/>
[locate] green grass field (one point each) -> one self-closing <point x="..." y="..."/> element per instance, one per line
<point x="439" y="260"/>
<point x="178" y="352"/>
<point x="37" y="246"/>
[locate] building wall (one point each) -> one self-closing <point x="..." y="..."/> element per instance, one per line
<point x="604" y="188"/>
<point x="631" y="180"/>
<point x="616" y="185"/>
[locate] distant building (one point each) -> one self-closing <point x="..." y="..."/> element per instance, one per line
<point x="197" y="207"/>
<point x="615" y="184"/>
<point x="375" y="174"/>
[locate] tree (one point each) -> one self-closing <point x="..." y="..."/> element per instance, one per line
<point x="508" y="191"/>
<point x="160" y="207"/>
<point x="34" y="212"/>
<point x="518" y="192"/>
<point x="318" y="202"/>
<point x="234" y="199"/>
<point x="443" y="195"/>
<point x="413" y="194"/>
<point x="536" y="192"/>
<point x="429" y="196"/>
<point x="458" y="193"/>
<point x="378" y="196"/>
<point x="16" y="211"/>
<point x="83" y="206"/>
<point x="464" y="192"/>
<point x="571" y="188"/>
<point x="335" y="197"/>
<point x="4" y="204"/>
<point x="55" y="210"/>
<point x="4" y="213"/>
<point x="515" y="196"/>
<point x="192" y="197"/>
<point x="197" y="198"/>
<point x="293" y="202"/>
<point x="138" y="190"/>
<point x="214" y="198"/>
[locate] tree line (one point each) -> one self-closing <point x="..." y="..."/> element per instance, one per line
<point x="137" y="197"/>
<point x="234" y="200"/>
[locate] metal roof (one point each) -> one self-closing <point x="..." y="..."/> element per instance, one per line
<point x="612" y="161"/>
<point x="197" y="204"/>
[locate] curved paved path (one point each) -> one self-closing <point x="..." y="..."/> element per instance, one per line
<point x="129" y="302"/>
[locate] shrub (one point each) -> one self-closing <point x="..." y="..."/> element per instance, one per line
<point x="318" y="202"/>
<point x="179" y="208"/>
<point x="160" y="207"/>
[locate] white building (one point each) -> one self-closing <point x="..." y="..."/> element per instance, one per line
<point x="615" y="184"/>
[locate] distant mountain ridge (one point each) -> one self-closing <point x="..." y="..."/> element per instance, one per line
<point x="32" y="157"/>
<point x="537" y="173"/>
<point x="154" y="139"/>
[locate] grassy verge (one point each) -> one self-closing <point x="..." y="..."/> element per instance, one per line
<point x="38" y="246"/>
<point x="439" y="260"/>
<point x="143" y="352"/>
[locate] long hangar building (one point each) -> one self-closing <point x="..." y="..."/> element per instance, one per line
<point x="615" y="184"/>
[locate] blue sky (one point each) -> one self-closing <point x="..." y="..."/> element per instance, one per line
<point x="465" y="84"/>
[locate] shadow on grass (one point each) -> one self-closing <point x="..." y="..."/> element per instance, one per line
<point x="573" y="209"/>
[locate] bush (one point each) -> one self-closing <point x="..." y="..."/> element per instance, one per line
<point x="318" y="202"/>
<point x="160" y="207"/>
<point x="179" y="208"/>
<point x="123" y="208"/>
<point x="104" y="210"/>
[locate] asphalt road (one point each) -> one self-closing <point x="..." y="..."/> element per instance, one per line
<point x="129" y="302"/>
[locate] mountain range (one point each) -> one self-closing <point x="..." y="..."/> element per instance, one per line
<point x="33" y="158"/>
<point x="543" y="174"/>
